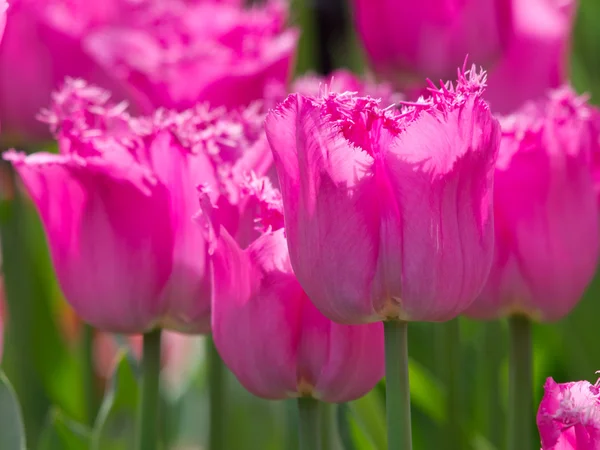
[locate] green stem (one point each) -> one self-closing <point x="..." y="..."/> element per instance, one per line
<point x="147" y="433"/>
<point x="217" y="396"/>
<point x="89" y="374"/>
<point x="292" y="433"/>
<point x="309" y="422"/>
<point x="520" y="414"/>
<point x="449" y="333"/>
<point x="326" y="425"/>
<point x="397" y="385"/>
<point x="494" y="351"/>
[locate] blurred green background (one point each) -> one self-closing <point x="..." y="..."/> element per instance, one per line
<point x="46" y="364"/>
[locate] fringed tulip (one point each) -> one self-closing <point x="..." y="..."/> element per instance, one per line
<point x="569" y="416"/>
<point x="546" y="214"/>
<point x="117" y="205"/>
<point x="388" y="213"/>
<point x="208" y="51"/>
<point x="269" y="333"/>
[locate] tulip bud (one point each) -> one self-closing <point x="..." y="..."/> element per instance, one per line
<point x="269" y="333"/>
<point x="117" y="205"/>
<point x="546" y="214"/>
<point x="569" y="416"/>
<point x="388" y="213"/>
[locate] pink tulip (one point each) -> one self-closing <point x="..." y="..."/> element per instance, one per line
<point x="43" y="44"/>
<point x="569" y="416"/>
<point x="213" y="52"/>
<point x="536" y="55"/>
<point x="269" y="333"/>
<point x="546" y="215"/>
<point x="431" y="38"/>
<point x="388" y="213"/>
<point x="523" y="44"/>
<point x="117" y="205"/>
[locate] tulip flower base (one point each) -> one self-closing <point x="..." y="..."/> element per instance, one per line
<point x="397" y="385"/>
<point x="309" y="418"/>
<point x="147" y="433"/>
<point x="520" y="413"/>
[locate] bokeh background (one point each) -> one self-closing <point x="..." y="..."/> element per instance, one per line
<point x="43" y="339"/>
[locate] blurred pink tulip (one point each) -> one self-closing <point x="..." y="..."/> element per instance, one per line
<point x="546" y="214"/>
<point x="43" y="42"/>
<point x="184" y="53"/>
<point x="117" y="205"/>
<point x="269" y="333"/>
<point x="388" y="213"/>
<point x="569" y="416"/>
<point x="523" y="44"/>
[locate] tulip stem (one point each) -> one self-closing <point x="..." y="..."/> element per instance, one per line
<point x="449" y="333"/>
<point x="147" y="433"/>
<point x="217" y="396"/>
<point x="520" y="414"/>
<point x="309" y="419"/>
<point x="89" y="374"/>
<point x="397" y="385"/>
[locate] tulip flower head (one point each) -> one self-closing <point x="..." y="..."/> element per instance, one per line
<point x="388" y="213"/>
<point x="569" y="416"/>
<point x="177" y="53"/>
<point x="266" y="329"/>
<point x="117" y="205"/>
<point x="546" y="213"/>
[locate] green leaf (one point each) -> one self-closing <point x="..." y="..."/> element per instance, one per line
<point x="62" y="433"/>
<point x="115" y="425"/>
<point x="12" y="431"/>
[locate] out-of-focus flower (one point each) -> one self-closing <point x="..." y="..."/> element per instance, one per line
<point x="545" y="209"/>
<point x="179" y="54"/>
<point x="43" y="44"/>
<point x="154" y="53"/>
<point x="270" y="334"/>
<point x="569" y="416"/>
<point x="536" y="55"/>
<point x="388" y="213"/>
<point x="523" y="44"/>
<point x="117" y="205"/>
<point x="431" y="38"/>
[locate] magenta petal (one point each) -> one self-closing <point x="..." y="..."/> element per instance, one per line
<point x="110" y="242"/>
<point x="441" y="171"/>
<point x="569" y="416"/>
<point x="330" y="217"/>
<point x="188" y="290"/>
<point x="255" y="320"/>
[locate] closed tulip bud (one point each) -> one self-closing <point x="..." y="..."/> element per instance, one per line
<point x="388" y="213"/>
<point x="269" y="333"/>
<point x="546" y="214"/>
<point x="569" y="416"/>
<point x="117" y="205"/>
